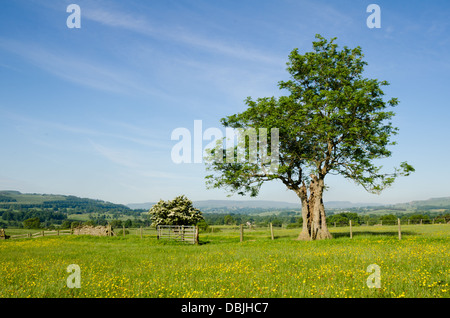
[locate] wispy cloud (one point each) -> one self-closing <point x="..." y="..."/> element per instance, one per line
<point x="183" y="35"/>
<point x="118" y="19"/>
<point x="123" y="157"/>
<point x="129" y="133"/>
<point x="133" y="70"/>
<point x="90" y="73"/>
<point x="137" y="163"/>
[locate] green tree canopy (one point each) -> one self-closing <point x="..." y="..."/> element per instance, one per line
<point x="333" y="121"/>
<point x="32" y="223"/>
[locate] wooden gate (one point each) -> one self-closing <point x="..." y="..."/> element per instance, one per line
<point x="182" y="233"/>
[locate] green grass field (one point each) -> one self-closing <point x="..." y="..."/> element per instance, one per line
<point x="221" y="266"/>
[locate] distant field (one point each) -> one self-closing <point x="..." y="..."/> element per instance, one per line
<point x="221" y="266"/>
<point x="34" y="198"/>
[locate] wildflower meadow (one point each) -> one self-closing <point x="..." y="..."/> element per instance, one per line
<point x="417" y="266"/>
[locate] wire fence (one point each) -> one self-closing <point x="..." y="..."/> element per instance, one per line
<point x="382" y="222"/>
<point x="40" y="234"/>
<point x="191" y="233"/>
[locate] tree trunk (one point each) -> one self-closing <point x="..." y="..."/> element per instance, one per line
<point x="313" y="211"/>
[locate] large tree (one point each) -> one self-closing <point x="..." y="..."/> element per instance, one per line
<point x="333" y="121"/>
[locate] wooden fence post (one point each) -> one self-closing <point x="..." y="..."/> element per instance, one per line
<point x="351" y="234"/>
<point x="123" y="230"/>
<point x="241" y="230"/>
<point x="271" y="231"/>
<point x="399" y="229"/>
<point x="141" y="231"/>
<point x="196" y="235"/>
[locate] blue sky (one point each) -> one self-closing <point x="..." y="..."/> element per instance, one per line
<point x="90" y="111"/>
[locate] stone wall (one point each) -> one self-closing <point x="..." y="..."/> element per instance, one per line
<point x="91" y="230"/>
<point x="3" y="236"/>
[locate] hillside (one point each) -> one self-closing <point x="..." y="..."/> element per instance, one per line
<point x="11" y="199"/>
<point x="262" y="206"/>
<point x="256" y="204"/>
<point x="233" y="206"/>
<point x="433" y="203"/>
<point x="16" y="200"/>
<point x="228" y="204"/>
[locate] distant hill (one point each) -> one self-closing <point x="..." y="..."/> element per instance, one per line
<point x="348" y="204"/>
<point x="256" y="204"/>
<point x="436" y="203"/>
<point x="57" y="202"/>
<point x="264" y="204"/>
<point x="228" y="204"/>
<point x="17" y="197"/>
<point x="143" y="206"/>
<point x="433" y="203"/>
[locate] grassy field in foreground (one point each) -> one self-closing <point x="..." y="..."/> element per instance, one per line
<point x="221" y="266"/>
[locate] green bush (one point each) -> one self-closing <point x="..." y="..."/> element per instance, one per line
<point x="120" y="232"/>
<point x="32" y="223"/>
<point x="211" y="229"/>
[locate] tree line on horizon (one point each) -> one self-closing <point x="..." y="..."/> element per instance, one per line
<point x="35" y="219"/>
